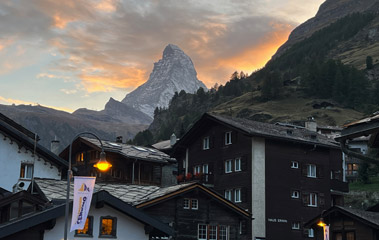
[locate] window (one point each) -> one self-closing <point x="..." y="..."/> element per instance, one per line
<point x="186" y="203"/>
<point x="228" y="138"/>
<point x="205" y="143"/>
<point x="228" y="166"/>
<point x="87" y="230"/>
<point x="311" y="233"/>
<point x="224" y="232"/>
<point x="205" y="168"/>
<point x="212" y="232"/>
<point x="197" y="169"/>
<point x="311" y="170"/>
<point x="228" y="194"/>
<point x="294" y="164"/>
<point x="312" y="200"/>
<point x="295" y="225"/>
<point x="190" y="203"/>
<point x="108" y="226"/>
<point x="202" y="232"/>
<point x="26" y="171"/>
<point x="237" y="164"/>
<point x="295" y="194"/>
<point x="237" y="195"/>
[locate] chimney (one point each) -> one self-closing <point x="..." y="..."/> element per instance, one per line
<point x="54" y="146"/>
<point x="311" y="124"/>
<point x="172" y="139"/>
<point x="119" y="139"/>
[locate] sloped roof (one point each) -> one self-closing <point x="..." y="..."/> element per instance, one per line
<point x="266" y="130"/>
<point x="23" y="139"/>
<point x="136" y="195"/>
<point x="132" y="151"/>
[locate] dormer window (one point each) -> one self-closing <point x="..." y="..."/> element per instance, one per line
<point x="228" y="138"/>
<point x="26" y="171"/>
<point x="205" y="143"/>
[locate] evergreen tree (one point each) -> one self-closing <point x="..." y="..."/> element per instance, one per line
<point x="369" y="62"/>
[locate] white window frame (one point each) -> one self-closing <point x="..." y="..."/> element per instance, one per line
<point x="295" y="194"/>
<point x="294" y="164"/>
<point x="194" y="204"/>
<point x="186" y="203"/>
<point x="206" y="143"/>
<point x="295" y="225"/>
<point x="223" y="229"/>
<point x="237" y="164"/>
<point x="237" y="195"/>
<point x="197" y="169"/>
<point x="312" y="200"/>
<point x="27" y="167"/>
<point x="311" y="170"/>
<point x="311" y="233"/>
<point x="228" y="166"/>
<point x="228" y="138"/>
<point x="205" y="168"/>
<point x="228" y="194"/>
<point x="204" y="231"/>
<point x="213" y="228"/>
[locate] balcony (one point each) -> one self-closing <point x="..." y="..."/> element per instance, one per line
<point x="339" y="185"/>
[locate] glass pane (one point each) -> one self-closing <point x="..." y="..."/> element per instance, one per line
<point x="14" y="210"/>
<point x="85" y="230"/>
<point x="29" y="170"/>
<point x="212" y="232"/>
<point x="27" y="208"/>
<point x="350" y="236"/>
<point x="106" y="226"/>
<point x="338" y="236"/>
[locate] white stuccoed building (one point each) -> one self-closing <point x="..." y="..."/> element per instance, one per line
<point x="21" y="157"/>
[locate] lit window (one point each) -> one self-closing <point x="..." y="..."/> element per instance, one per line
<point x="312" y="200"/>
<point x="295" y="194"/>
<point x="228" y="194"/>
<point x="228" y="166"/>
<point x="311" y="233"/>
<point x="228" y="138"/>
<point x="224" y="232"/>
<point x="237" y="195"/>
<point x="311" y="170"/>
<point x="205" y="143"/>
<point x="237" y="164"/>
<point x="87" y="230"/>
<point x="194" y="204"/>
<point x="212" y="232"/>
<point x="26" y="171"/>
<point x="202" y="232"/>
<point x="186" y="203"/>
<point x="108" y="227"/>
<point x="294" y="164"/>
<point x="296" y="225"/>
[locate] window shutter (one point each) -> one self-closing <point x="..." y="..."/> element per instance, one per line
<point x="222" y="167"/>
<point x="234" y="137"/>
<point x="305" y="198"/>
<point x="321" y="199"/>
<point x="320" y="171"/>
<point x="244" y="163"/>
<point x="243" y="227"/>
<point x="211" y="142"/>
<point x="304" y="169"/>
<point x="305" y="232"/>
<point x="243" y="194"/>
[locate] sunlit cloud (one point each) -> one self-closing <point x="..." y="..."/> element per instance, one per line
<point x="4" y="100"/>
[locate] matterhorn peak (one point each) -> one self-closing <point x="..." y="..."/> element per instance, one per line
<point x="173" y="73"/>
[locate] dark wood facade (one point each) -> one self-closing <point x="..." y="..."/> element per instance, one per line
<point x="284" y="214"/>
<point x="198" y="213"/>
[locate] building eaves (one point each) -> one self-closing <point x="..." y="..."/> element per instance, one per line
<point x="18" y="127"/>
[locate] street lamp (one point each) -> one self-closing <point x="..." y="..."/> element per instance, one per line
<point x="102" y="165"/>
<point x="324" y="226"/>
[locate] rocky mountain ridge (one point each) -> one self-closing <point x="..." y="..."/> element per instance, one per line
<point x="173" y="73"/>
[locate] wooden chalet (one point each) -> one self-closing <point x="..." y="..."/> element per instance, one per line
<point x="130" y="164"/>
<point x="285" y="176"/>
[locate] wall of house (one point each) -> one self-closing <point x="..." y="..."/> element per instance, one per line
<point x="11" y="158"/>
<point x="281" y="179"/>
<point x="186" y="221"/>
<point x="127" y="227"/>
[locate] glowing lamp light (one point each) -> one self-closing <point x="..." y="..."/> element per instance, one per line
<point x="103" y="165"/>
<point x="321" y="223"/>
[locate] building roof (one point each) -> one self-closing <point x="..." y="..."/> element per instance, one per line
<point x="18" y="127"/>
<point x="137" y="195"/>
<point x="102" y="196"/>
<point x="367" y="217"/>
<point x="266" y="130"/>
<point x="18" y="135"/>
<point x="128" y="151"/>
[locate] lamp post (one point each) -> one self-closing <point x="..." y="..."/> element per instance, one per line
<point x="102" y="165"/>
<point x="324" y="226"/>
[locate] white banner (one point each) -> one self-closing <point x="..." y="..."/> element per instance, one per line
<point x="326" y="232"/>
<point x="83" y="189"/>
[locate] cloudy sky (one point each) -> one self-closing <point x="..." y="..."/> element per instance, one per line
<point x="78" y="53"/>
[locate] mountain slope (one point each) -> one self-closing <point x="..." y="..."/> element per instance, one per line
<point x="173" y="73"/>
